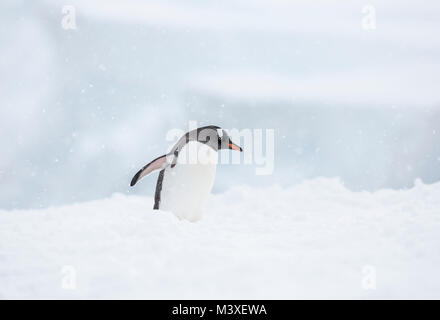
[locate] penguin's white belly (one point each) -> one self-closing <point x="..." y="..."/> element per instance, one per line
<point x="186" y="187"/>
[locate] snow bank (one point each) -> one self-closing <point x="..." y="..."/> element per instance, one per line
<point x="314" y="240"/>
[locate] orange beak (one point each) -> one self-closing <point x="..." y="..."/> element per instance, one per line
<point x="233" y="146"/>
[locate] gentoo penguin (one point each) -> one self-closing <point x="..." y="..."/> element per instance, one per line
<point x="187" y="172"/>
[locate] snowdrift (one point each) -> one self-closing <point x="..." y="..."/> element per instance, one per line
<point x="313" y="240"/>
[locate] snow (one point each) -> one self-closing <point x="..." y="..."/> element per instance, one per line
<point x="311" y="240"/>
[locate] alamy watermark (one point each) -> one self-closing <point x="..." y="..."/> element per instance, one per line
<point x="368" y="281"/>
<point x="68" y="277"/>
<point x="369" y="17"/>
<point x="68" y="21"/>
<point x="258" y="147"/>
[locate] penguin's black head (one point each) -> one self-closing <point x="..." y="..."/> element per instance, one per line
<point x="216" y="138"/>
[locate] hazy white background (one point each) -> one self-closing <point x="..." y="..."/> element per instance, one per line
<point x="356" y="115"/>
<point x="82" y="110"/>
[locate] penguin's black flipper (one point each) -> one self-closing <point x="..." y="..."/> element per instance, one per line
<point x="157" y="164"/>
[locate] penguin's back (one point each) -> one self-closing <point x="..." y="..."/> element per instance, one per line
<point x="185" y="188"/>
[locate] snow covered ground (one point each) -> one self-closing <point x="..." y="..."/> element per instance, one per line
<point x="313" y="240"/>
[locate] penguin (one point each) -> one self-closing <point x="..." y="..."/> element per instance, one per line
<point x="187" y="172"/>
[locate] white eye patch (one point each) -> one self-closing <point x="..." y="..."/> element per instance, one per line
<point x="220" y="133"/>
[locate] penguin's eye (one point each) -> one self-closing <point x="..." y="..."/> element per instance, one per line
<point x="220" y="133"/>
